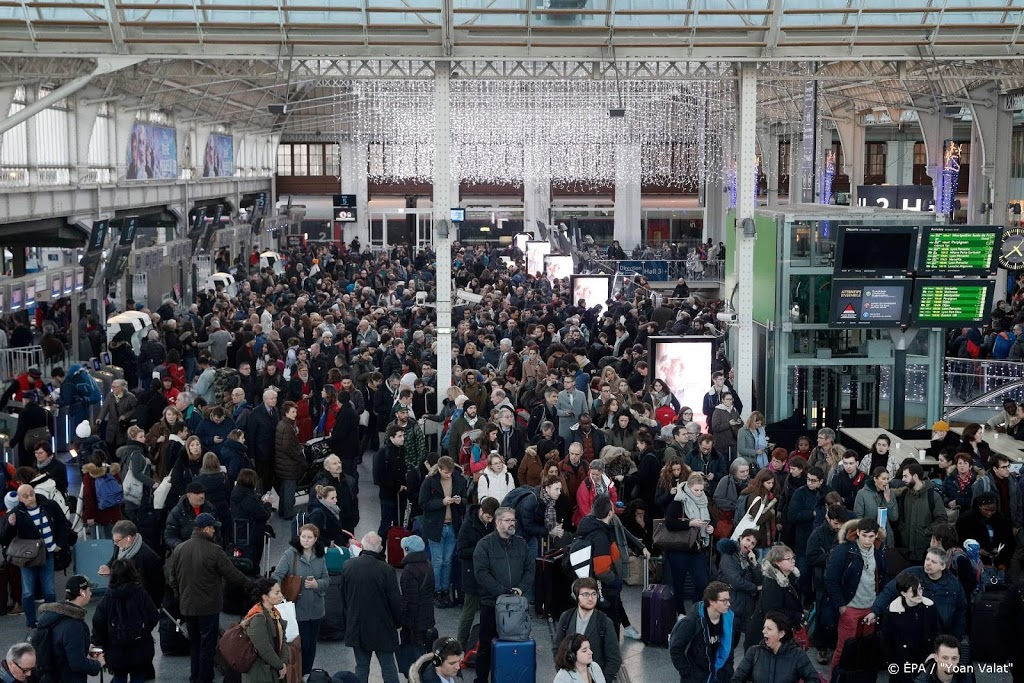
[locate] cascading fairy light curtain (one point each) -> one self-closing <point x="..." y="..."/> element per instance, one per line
<point x="508" y="132"/>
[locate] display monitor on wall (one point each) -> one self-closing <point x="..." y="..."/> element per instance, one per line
<point x="684" y="364"/>
<point x="557" y="267"/>
<point x="69" y="281"/>
<point x="56" y="280"/>
<point x="79" y="280"/>
<point x="879" y="250"/>
<point x="535" y="253"/>
<point x="595" y="290"/>
<point x="457" y="215"/>
<point x="948" y="250"/>
<point x="30" y="293"/>
<point x="952" y="303"/>
<point x="869" y="303"/>
<point x="16" y="297"/>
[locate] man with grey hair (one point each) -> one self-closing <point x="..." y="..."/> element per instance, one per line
<point x="117" y="411"/>
<point x="502" y="563"/>
<point x="819" y="454"/>
<point x="19" y="663"/>
<point x="504" y="348"/>
<point x="217" y="343"/>
<point x="260" y="430"/>
<point x="373" y="609"/>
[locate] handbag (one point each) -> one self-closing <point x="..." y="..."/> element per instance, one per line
<point x="751" y="521"/>
<point x="802" y="638"/>
<point x="27" y="552"/>
<point x="236" y="648"/>
<point x="161" y="492"/>
<point x="689" y="540"/>
<point x="34" y="436"/>
<point x="132" y="487"/>
<point x="291" y="586"/>
<point x="724" y="524"/>
<point x="364" y="418"/>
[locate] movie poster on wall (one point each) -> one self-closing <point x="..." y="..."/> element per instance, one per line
<point x="219" y="158"/>
<point x="152" y="153"/>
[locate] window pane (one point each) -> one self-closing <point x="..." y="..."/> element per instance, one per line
<point x="300" y="160"/>
<point x="333" y="165"/>
<point x="284" y="160"/>
<point x="316" y="160"/>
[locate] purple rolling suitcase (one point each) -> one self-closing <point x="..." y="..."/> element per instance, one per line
<point x="657" y="611"/>
<point x="513" y="662"/>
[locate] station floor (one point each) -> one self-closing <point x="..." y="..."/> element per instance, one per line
<point x="644" y="663"/>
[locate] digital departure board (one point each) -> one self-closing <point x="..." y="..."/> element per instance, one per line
<point x="948" y="250"/>
<point x="949" y="303"/>
<point x="869" y="303"/>
<point x="875" y="250"/>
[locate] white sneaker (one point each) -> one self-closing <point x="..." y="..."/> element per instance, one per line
<point x="631" y="633"/>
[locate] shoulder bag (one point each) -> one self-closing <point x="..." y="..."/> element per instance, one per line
<point x="749" y="521"/>
<point x="291" y="585"/>
<point x="689" y="540"/>
<point x="27" y="552"/>
<point x="133" y="488"/>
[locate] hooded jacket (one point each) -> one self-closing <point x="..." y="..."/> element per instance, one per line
<point x="743" y="576"/>
<point x="90" y="508"/>
<point x="693" y="656"/>
<point x="845" y="565"/>
<point x="918" y="511"/>
<point x="800" y="514"/>
<point x="497" y="486"/>
<point x="605" y="552"/>
<point x="126" y="599"/>
<point x="417" y="584"/>
<point x="946" y="592"/>
<point x="70" y="641"/>
<point x="472" y="531"/>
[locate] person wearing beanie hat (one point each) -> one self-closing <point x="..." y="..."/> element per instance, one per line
<point x="417" y="583"/>
<point x="181" y="521"/>
<point x="83" y="431"/>
<point x="942" y="437"/>
<point x="992" y="530"/>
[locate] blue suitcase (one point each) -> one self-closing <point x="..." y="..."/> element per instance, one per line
<point x="513" y="662"/>
<point x="89" y="556"/>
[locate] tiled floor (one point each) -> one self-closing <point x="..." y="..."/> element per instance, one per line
<point x="642" y="662"/>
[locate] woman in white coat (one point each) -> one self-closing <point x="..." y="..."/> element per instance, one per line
<point x="495" y="481"/>
<point x="575" y="662"/>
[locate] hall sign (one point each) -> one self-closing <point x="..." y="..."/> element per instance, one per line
<point x="903" y="197"/>
<point x="654" y="271"/>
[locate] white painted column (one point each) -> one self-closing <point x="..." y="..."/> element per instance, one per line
<point x="84" y="122"/>
<point x="935" y="129"/>
<point x="796" y="169"/>
<point x="994" y="125"/>
<point x="627" y="196"/>
<point x="31" y="95"/>
<point x="353" y="181"/>
<point x="536" y="196"/>
<point x="851" y="134"/>
<point x="123" y="120"/>
<point x="715" y="205"/>
<point x="746" y="131"/>
<point x="442" y="203"/>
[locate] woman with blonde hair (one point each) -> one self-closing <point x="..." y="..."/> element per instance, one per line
<point x="689" y="509"/>
<point x="753" y="441"/>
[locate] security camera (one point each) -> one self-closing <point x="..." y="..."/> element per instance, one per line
<point x="727" y="317"/>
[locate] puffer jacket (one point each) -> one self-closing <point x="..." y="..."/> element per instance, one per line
<point x="289" y="463"/>
<point x="499" y="565"/>
<point x="293" y="562"/>
<point x="181" y="522"/>
<point x="90" y="509"/>
<point x="235" y="457"/>
<point x="70" y="641"/>
<point x="789" y="665"/>
<point x="472" y="531"/>
<point x="742" y="575"/>
<point x="417" y="584"/>
<point x="845" y="565"/>
<point x="778" y="592"/>
<point x="605" y="552"/>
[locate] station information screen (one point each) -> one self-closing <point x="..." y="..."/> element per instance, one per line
<point x="948" y="250"/>
<point x="875" y="250"/>
<point x="949" y="303"/>
<point x="869" y="303"/>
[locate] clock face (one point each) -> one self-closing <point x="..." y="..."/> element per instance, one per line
<point x="1011" y="255"/>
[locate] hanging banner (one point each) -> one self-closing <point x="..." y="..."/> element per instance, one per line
<point x="219" y="159"/>
<point x="152" y="153"/>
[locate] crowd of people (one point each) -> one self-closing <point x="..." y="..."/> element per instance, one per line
<point x="551" y="437"/>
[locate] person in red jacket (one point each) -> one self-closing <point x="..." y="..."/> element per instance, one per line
<point x="591" y="487"/>
<point x="102" y="520"/>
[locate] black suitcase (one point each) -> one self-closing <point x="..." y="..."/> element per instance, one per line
<point x="986" y="633"/>
<point x="173" y="635"/>
<point x="552" y="586"/>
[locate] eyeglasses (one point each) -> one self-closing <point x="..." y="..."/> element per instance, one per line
<point x="789" y="559"/>
<point x="1002" y="467"/>
<point x="23" y="669"/>
<point x="588" y="594"/>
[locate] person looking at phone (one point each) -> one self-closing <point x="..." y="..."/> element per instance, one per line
<point x="72" y="660"/>
<point x="443" y="498"/>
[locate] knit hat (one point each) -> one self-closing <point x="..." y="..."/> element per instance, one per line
<point x="83" y="431"/>
<point x="973" y="549"/>
<point x="412" y="544"/>
<point x="460" y="400"/>
<point x="11" y="500"/>
<point x="940" y="426"/>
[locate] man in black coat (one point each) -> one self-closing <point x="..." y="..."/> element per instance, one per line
<point x="443" y="497"/>
<point x="181" y="522"/>
<point x="129" y="546"/>
<point x="72" y="662"/>
<point x="20" y="524"/>
<point x="373" y="609"/>
<point x="389" y="475"/>
<point x="478" y="523"/>
<point x="259" y="436"/>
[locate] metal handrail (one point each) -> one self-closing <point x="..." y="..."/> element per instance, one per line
<point x="977" y="402"/>
<point x="711" y="271"/>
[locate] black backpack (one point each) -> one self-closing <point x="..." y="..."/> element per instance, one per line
<point x="124" y="623"/>
<point x="46" y="655"/>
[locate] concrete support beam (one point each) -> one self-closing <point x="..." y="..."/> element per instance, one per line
<point x="899" y="162"/>
<point x="743" y="337"/>
<point x="935" y="129"/>
<point x="769" y="143"/>
<point x="716" y="203"/>
<point x="353" y="181"/>
<point x="994" y="126"/>
<point x="851" y="135"/>
<point x="628" y="212"/>
<point x="442" y="202"/>
<point x="84" y="120"/>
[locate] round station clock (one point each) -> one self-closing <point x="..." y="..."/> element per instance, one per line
<point x="1011" y="254"/>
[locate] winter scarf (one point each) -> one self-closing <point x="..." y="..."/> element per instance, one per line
<point x="132" y="550"/>
<point x="550" y="520"/>
<point x="694" y="507"/>
<point x="332" y="508"/>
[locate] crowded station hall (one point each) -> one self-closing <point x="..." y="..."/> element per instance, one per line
<point x="504" y="341"/>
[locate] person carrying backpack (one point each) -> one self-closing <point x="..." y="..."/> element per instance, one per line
<point x="102" y="493"/>
<point x="78" y="391"/>
<point x="62" y="638"/>
<point x="123" y="623"/>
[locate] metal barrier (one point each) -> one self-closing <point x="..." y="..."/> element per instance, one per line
<point x="701" y="271"/>
<point x="967" y="381"/>
<point x="14" y="362"/>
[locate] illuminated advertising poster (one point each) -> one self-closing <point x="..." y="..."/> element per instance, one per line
<point x="152" y="153"/>
<point x="557" y="267"/>
<point x="535" y="253"/>
<point x="595" y="290"/>
<point x="684" y="364"/>
<point x="219" y="158"/>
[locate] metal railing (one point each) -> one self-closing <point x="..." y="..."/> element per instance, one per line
<point x="702" y="271"/>
<point x="968" y="381"/>
<point x="14" y="362"/>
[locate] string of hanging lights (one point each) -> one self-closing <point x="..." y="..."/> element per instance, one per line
<point x="560" y="131"/>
